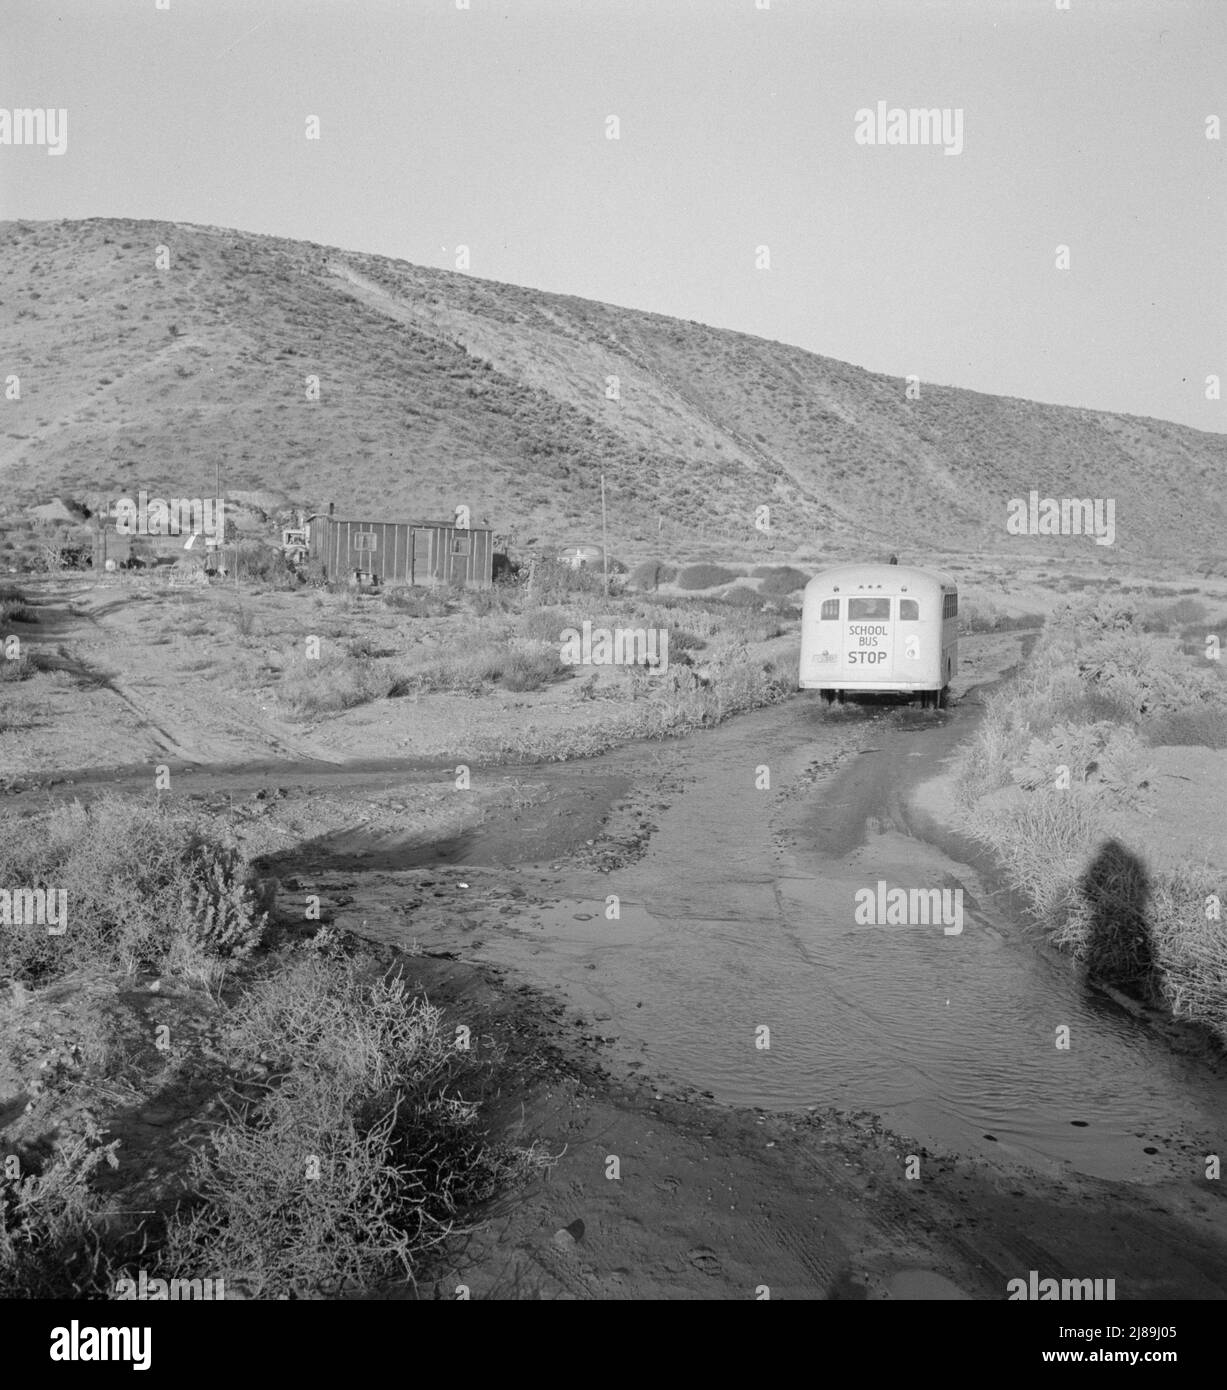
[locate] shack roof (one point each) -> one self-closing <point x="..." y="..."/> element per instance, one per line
<point x="450" y="522"/>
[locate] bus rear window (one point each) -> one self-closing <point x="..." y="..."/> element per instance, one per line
<point x="868" y="610"/>
<point x="909" y="610"/>
<point x="829" y="610"/>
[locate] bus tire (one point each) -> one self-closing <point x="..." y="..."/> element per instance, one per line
<point x="943" y="697"/>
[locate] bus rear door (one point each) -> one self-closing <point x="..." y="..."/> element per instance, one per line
<point x="868" y="645"/>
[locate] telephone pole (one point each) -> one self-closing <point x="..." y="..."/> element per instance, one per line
<point x="604" y="537"/>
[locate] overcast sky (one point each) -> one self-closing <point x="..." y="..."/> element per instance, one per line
<point x="487" y="127"/>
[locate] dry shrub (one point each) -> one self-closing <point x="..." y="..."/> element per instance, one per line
<point x="780" y="580"/>
<point x="1096" y="685"/>
<point x="651" y="574"/>
<point x="705" y="576"/>
<point x="142" y="881"/>
<point x="1042" y="842"/>
<point x="54" y="1241"/>
<point x="742" y="596"/>
<point x="509" y="665"/>
<point x="333" y="682"/>
<point x="551" y="581"/>
<point x="1197" y="728"/>
<point x="357" y="1160"/>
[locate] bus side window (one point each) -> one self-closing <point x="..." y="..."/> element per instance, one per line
<point x="909" y="610"/>
<point x="950" y="606"/>
<point x="829" y="611"/>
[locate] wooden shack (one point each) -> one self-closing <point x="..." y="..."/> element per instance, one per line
<point x="402" y="552"/>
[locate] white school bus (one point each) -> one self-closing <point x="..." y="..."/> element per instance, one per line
<point x="888" y="628"/>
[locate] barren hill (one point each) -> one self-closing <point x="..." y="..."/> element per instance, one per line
<point x="436" y="388"/>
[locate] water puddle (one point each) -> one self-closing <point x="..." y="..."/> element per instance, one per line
<point x="740" y="918"/>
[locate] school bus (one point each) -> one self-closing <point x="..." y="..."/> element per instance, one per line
<point x="887" y="628"/>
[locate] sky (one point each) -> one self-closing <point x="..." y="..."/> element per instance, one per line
<point x="488" y="127"/>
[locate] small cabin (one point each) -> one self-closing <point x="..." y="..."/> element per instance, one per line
<point x="402" y="552"/>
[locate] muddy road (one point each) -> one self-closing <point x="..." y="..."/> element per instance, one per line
<point x="740" y="915"/>
<point x="732" y="995"/>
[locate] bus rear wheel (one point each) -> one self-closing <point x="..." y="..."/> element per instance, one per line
<point x="943" y="697"/>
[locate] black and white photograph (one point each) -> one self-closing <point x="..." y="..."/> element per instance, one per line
<point x="611" y="674"/>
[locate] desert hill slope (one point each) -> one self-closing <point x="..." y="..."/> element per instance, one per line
<point x="436" y="388"/>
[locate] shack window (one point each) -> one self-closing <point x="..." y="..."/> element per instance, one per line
<point x="830" y="610"/>
<point x="868" y="610"/>
<point x="909" y="610"/>
<point x="460" y="545"/>
<point x="364" y="540"/>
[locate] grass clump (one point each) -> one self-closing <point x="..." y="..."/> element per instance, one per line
<point x="14" y="608"/>
<point x="416" y="603"/>
<point x="508" y="665"/>
<point x="20" y="667"/>
<point x="333" y="682"/>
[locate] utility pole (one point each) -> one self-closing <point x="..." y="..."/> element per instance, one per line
<point x="604" y="537"/>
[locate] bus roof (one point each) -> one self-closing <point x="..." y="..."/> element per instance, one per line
<point x="875" y="576"/>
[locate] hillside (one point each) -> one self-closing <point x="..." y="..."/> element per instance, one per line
<point x="437" y="388"/>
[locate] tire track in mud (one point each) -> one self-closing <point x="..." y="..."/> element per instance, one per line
<point x="181" y="745"/>
<point x="94" y="678"/>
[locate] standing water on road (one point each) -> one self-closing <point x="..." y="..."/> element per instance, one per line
<point x="742" y="916"/>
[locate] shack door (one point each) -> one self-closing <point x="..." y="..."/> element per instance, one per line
<point x="420" y="570"/>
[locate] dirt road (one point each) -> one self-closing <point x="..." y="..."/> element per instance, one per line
<point x="691" y="1162"/>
